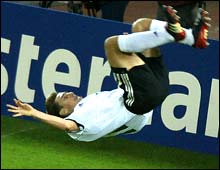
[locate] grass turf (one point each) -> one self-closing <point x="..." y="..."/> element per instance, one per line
<point x="31" y="145"/>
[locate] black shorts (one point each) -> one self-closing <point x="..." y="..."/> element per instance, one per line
<point x="146" y="86"/>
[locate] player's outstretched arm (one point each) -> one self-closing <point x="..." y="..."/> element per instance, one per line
<point x="23" y="109"/>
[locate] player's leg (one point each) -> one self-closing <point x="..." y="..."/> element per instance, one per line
<point x="142" y="40"/>
<point x="146" y="24"/>
<point x="120" y="50"/>
<point x="195" y="36"/>
<point x="119" y="59"/>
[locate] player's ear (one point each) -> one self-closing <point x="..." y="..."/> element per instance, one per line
<point x="63" y="112"/>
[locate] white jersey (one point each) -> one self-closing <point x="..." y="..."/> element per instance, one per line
<point x="103" y="114"/>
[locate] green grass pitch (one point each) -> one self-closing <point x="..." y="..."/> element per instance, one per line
<point x="29" y="144"/>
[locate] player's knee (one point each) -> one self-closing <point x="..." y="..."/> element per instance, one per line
<point x="137" y="26"/>
<point x="110" y="42"/>
<point x="141" y="24"/>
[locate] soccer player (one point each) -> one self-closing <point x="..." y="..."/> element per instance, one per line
<point x="141" y="76"/>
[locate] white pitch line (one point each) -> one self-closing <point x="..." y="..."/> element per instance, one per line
<point x="15" y="133"/>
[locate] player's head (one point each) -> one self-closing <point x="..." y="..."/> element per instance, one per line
<point x="61" y="104"/>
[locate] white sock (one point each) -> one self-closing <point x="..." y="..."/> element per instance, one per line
<point x="140" y="41"/>
<point x="157" y="25"/>
<point x="189" y="39"/>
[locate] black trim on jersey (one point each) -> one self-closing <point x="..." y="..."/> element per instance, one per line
<point x="123" y="127"/>
<point x="78" y="124"/>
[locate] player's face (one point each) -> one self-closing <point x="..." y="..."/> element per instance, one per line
<point x="68" y="100"/>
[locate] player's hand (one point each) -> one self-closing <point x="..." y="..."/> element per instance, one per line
<point x="20" y="109"/>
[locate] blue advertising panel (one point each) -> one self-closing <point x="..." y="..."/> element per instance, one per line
<point x="46" y="50"/>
